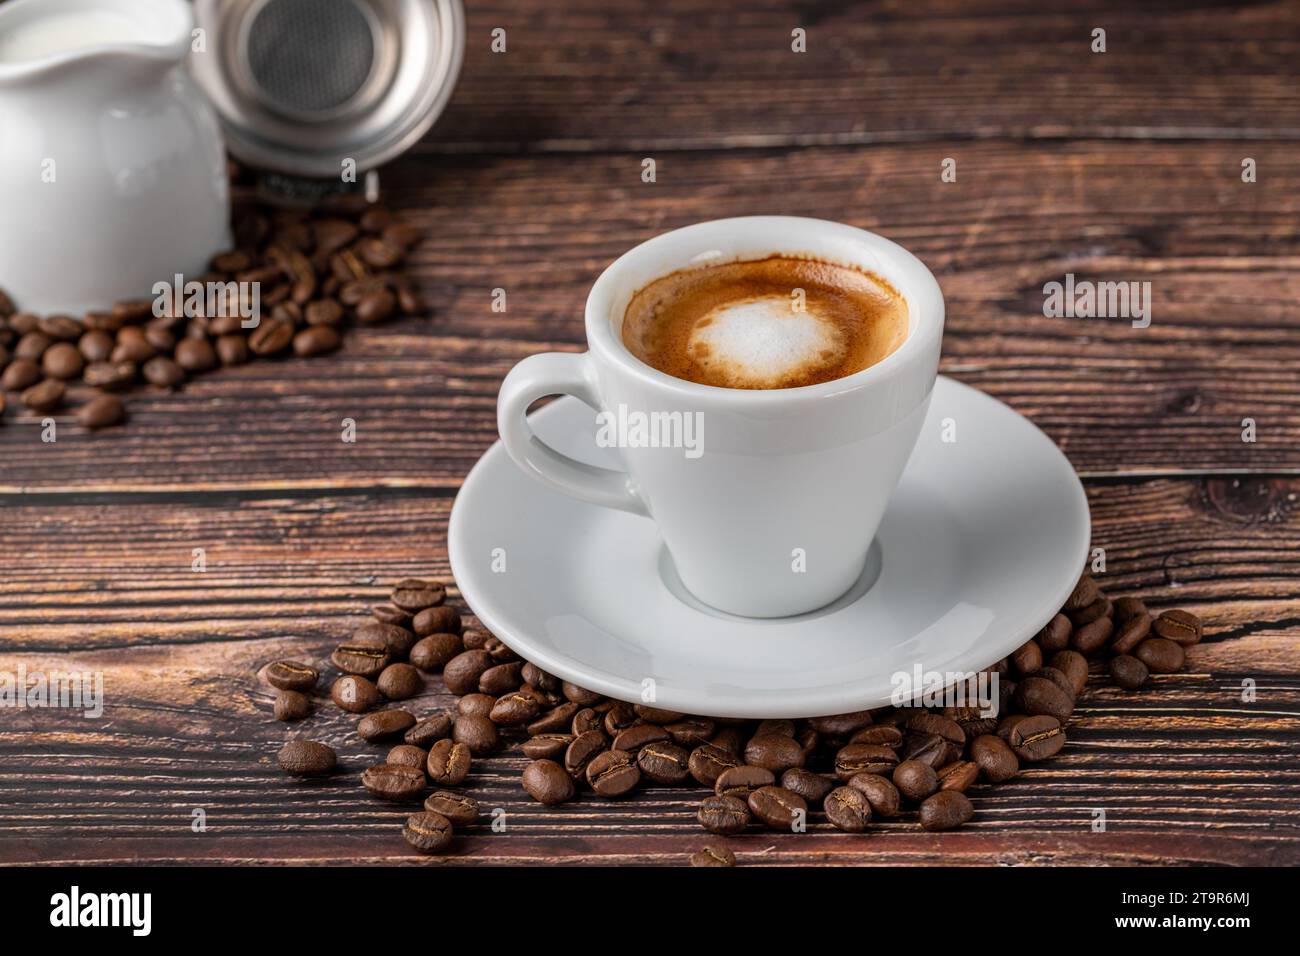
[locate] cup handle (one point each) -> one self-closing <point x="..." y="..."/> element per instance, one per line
<point x="558" y="373"/>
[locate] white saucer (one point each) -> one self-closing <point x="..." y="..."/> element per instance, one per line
<point x="983" y="541"/>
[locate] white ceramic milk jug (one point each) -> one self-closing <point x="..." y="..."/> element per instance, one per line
<point x="112" y="170"/>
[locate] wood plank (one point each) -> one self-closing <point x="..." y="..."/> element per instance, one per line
<point x="1185" y="770"/>
<point x="1222" y="346"/>
<point x="590" y="75"/>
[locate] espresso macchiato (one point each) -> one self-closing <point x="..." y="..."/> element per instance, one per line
<point x="779" y="322"/>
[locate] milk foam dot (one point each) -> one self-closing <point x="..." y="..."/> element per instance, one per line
<point x="764" y="340"/>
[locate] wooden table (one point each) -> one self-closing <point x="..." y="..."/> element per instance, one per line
<point x="1119" y="166"/>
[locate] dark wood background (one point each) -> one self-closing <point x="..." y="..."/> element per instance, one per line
<point x="1119" y="166"/>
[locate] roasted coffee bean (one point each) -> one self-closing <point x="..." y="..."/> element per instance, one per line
<point x="548" y="783"/>
<point x="195" y="355"/>
<point x="1128" y="672"/>
<point x="777" y="807"/>
<point x="1055" y="635"/>
<point x="162" y="372"/>
<point x="514" y="710"/>
<point x="479" y="734"/>
<point x="433" y="652"/>
<point x="1038" y="695"/>
<point x="291" y="705"/>
<point x="1074" y="666"/>
<point x="972" y="720"/>
<point x="271" y="337"/>
<point x="111" y="376"/>
<point x="581" y="752"/>
<point x="102" y="411"/>
<point x="613" y="773"/>
<point x="44" y="396"/>
<point x="1127" y="608"/>
<point x="848" y="809"/>
<point x="20" y="374"/>
<point x="1133" y="632"/>
<point x="316" y="340"/>
<point x="475" y="640"/>
<point x="730" y="739"/>
<point x="427" y="832"/>
<point x="32" y="345"/>
<point x="536" y="677"/>
<point x="307" y="758"/>
<point x="462" y="810"/>
<point x="449" y="762"/>
<point x="915" y="780"/>
<point x="1084" y="593"/>
<point x="742" y="781"/>
<point x="1026" y="658"/>
<point x="656" y="715"/>
<point x="554" y="721"/>
<point x="946" y="810"/>
<point x="879" y="735"/>
<point x="232" y="349"/>
<point x="399" y="681"/>
<point x="708" y="762"/>
<point x="547" y="746"/>
<point x="355" y="694"/>
<point x="291" y="675"/>
<point x="784" y="728"/>
<point x="323" y="313"/>
<point x="375" y="306"/>
<point x="132" y="346"/>
<point x="407" y="755"/>
<point x="478" y="705"/>
<point x="579" y="695"/>
<point x="813" y="787"/>
<point x="429" y="731"/>
<point x="397" y="640"/>
<point x="62" y="360"/>
<point x="1097" y="609"/>
<point x="1092" y="637"/>
<point x="928" y="722"/>
<point x="1036" y="738"/>
<point x="854" y="759"/>
<point x="723" y="815"/>
<point x="368" y="659"/>
<point x="958" y="775"/>
<point x="880" y="793"/>
<point x="1161" y="655"/>
<point x="388" y="614"/>
<point x="380" y="254"/>
<point x="61" y="328"/>
<point x="413" y="594"/>
<point x="638" y="735"/>
<point x="713" y="855"/>
<point x="384" y="725"/>
<point x="691" y="732"/>
<point x="775" y="752"/>
<point x="620" y="717"/>
<point x="1059" y="679"/>
<point x="996" y="761"/>
<point x="501" y="654"/>
<point x="462" y="672"/>
<point x="436" y="620"/>
<point x="501" y="679"/>
<point x="664" y="762"/>
<point x="1181" y="627"/>
<point x="841" y="725"/>
<point x="930" y="749"/>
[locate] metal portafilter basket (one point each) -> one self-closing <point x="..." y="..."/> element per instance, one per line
<point x="320" y="88"/>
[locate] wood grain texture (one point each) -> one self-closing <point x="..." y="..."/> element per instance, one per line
<point x="1185" y="770"/>
<point x="1221" y="257"/>
<point x="590" y="74"/>
<point x="1122" y="166"/>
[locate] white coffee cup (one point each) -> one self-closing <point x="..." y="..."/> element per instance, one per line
<point x="776" y="513"/>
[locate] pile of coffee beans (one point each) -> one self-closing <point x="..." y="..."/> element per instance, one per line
<point x="853" y="768"/>
<point x="316" y="272"/>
